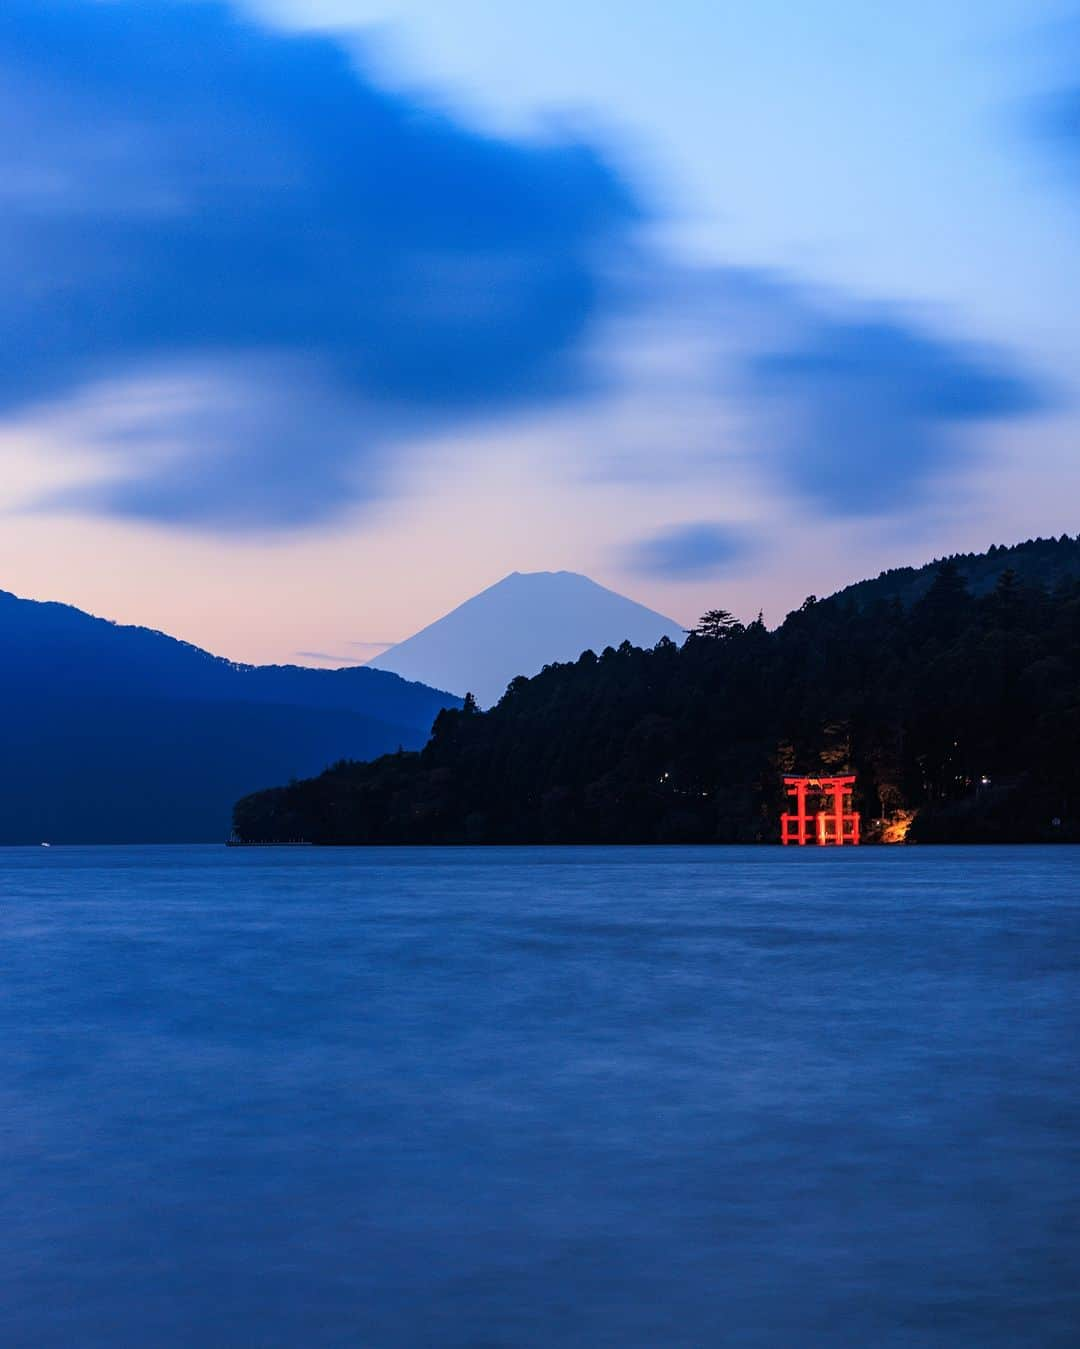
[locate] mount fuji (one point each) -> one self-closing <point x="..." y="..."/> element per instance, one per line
<point x="516" y="627"/>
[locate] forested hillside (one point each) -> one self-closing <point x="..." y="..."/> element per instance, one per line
<point x="960" y="709"/>
<point x="1036" y="562"/>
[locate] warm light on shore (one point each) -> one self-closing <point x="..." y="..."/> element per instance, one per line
<point x="896" y="830"/>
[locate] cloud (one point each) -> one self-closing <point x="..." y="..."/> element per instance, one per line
<point x="1053" y="117"/>
<point x="858" y="414"/>
<point x="774" y="391"/>
<point x="686" y="552"/>
<point x="327" y="658"/>
<point x="320" y="274"/>
<point x="183" y="187"/>
<point x="1059" y="122"/>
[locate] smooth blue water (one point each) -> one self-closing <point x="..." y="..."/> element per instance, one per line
<point x="567" y="1097"/>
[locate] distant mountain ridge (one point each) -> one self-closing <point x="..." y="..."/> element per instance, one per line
<point x="111" y="733"/>
<point x="517" y="626"/>
<point x="46" y="642"/>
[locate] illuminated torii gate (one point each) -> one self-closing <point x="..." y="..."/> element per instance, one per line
<point x="833" y="821"/>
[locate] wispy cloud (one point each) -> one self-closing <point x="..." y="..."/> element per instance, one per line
<point x="327" y="658"/>
<point x="327" y="272"/>
<point x="692" y="551"/>
<point x="369" y="649"/>
<point x="181" y="184"/>
<point x="859" y="415"/>
<point x="829" y="408"/>
<point x="1054" y="117"/>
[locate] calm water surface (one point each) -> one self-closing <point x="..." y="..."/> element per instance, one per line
<point x="566" y="1097"/>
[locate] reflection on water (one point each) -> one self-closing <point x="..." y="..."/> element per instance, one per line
<point x="539" y="1097"/>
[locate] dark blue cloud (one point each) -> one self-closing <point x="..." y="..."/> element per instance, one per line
<point x="685" y="552"/>
<point x="1059" y="122"/>
<point x="848" y="409"/>
<point x="860" y="415"/>
<point x="1053" y="118"/>
<point x="179" y="183"/>
<point x="335" y="270"/>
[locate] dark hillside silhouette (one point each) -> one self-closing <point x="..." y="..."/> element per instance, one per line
<point x="56" y="647"/>
<point x="1037" y="562"/>
<point x="960" y="708"/>
<point x="122" y="734"/>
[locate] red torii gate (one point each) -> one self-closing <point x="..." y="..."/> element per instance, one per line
<point x="834" y="822"/>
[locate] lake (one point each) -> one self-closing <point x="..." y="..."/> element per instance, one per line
<point x="518" y="1097"/>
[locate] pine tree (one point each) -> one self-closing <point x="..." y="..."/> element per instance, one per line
<point x="716" y="625"/>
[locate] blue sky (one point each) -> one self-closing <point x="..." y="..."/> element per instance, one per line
<point x="378" y="301"/>
<point x="876" y="147"/>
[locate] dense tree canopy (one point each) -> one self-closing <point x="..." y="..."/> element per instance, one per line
<point x="961" y="708"/>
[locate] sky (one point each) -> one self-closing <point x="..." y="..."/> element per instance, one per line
<point x="320" y="316"/>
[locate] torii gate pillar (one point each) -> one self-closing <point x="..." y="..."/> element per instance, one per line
<point x="836" y="823"/>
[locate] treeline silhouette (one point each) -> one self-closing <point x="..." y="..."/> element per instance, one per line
<point x="958" y="710"/>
